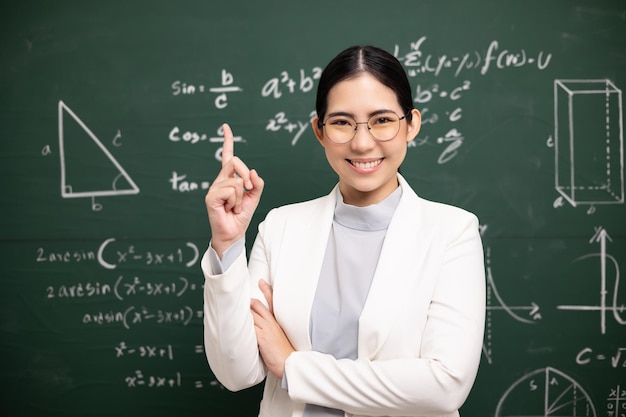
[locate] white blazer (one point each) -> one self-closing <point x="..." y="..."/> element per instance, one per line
<point x="420" y="332"/>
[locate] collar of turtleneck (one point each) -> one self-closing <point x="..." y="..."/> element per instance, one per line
<point x="368" y="218"/>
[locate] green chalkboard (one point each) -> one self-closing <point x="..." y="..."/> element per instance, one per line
<point x="109" y="136"/>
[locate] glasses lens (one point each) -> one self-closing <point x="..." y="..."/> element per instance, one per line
<point x="384" y="126"/>
<point x="340" y="129"/>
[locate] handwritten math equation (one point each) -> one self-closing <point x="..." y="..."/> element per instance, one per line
<point x="139" y="379"/>
<point x="616" y="359"/>
<point x="144" y="351"/>
<point x="436" y="101"/>
<point x="166" y="295"/>
<point x="221" y="91"/>
<point x="123" y="288"/>
<point x="110" y="254"/>
<point x="138" y="315"/>
<point x="419" y="60"/>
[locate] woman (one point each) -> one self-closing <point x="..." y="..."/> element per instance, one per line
<point x="368" y="301"/>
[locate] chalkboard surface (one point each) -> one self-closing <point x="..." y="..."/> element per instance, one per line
<point x="110" y="117"/>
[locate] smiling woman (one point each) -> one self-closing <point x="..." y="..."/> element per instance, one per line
<point x="367" y="301"/>
<point x="368" y="161"/>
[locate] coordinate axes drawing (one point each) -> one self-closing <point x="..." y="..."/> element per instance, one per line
<point x="533" y="309"/>
<point x="588" y="142"/>
<point x="116" y="180"/>
<point x="602" y="237"/>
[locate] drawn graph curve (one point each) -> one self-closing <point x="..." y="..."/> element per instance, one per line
<point x="545" y="392"/>
<point x="532" y="310"/>
<point x="605" y="304"/>
<point x="105" y="179"/>
<point x="503" y="306"/>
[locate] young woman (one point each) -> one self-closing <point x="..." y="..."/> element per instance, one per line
<point x="367" y="301"/>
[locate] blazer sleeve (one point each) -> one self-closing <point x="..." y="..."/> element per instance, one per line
<point x="229" y="337"/>
<point x="438" y="378"/>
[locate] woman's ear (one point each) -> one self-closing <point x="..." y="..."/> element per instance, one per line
<point x="319" y="131"/>
<point x="413" y="127"/>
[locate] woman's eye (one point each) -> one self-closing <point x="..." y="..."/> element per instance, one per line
<point x="382" y="120"/>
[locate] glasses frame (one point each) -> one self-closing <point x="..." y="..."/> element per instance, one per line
<point x="369" y="129"/>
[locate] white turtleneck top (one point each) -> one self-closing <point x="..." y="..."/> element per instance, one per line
<point x="354" y="245"/>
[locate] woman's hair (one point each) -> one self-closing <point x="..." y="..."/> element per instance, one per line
<point x="357" y="60"/>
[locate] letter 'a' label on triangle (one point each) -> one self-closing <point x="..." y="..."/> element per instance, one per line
<point x="88" y="169"/>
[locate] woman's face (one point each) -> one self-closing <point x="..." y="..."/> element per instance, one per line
<point x="367" y="169"/>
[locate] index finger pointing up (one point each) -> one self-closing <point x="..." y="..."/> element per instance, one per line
<point x="228" y="150"/>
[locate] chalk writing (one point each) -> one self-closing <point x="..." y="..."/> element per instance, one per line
<point x="419" y="61"/>
<point x="281" y="122"/>
<point x="181" y="184"/>
<point x="617" y="359"/>
<point x="78" y="290"/>
<point x="64" y="256"/>
<point x="144" y="351"/>
<point x="424" y="94"/>
<point x="452" y="138"/>
<point x="137" y="379"/>
<point x="284" y="83"/>
<point x="125" y="288"/>
<point x="181" y="88"/>
<point x="110" y="255"/>
<point x="221" y="101"/>
<point x="116" y="139"/>
<point x="616" y="402"/>
<point x="110" y="258"/>
<point x="134" y="316"/>
<point x="122" y="289"/>
<point x="187" y="136"/>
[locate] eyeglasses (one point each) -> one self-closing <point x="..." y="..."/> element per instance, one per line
<point x="382" y="126"/>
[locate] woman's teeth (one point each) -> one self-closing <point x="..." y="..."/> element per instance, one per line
<point x="366" y="165"/>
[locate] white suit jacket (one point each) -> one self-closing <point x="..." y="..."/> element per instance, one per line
<point x="420" y="331"/>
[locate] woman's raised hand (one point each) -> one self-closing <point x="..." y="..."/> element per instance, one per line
<point x="232" y="198"/>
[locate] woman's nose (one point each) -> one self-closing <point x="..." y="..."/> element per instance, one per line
<point x="362" y="137"/>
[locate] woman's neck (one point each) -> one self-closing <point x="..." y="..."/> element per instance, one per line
<point x="357" y="198"/>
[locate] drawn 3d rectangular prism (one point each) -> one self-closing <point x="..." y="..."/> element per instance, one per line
<point x="589" y="141"/>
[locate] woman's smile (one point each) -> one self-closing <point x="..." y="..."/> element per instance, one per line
<point x="365" y="165"/>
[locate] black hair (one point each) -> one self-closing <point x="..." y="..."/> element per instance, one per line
<point x="364" y="59"/>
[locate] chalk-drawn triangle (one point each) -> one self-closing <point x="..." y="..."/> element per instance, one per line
<point x="88" y="169"/>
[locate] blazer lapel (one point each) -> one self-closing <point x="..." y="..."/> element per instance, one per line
<point x="403" y="253"/>
<point x="299" y="268"/>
